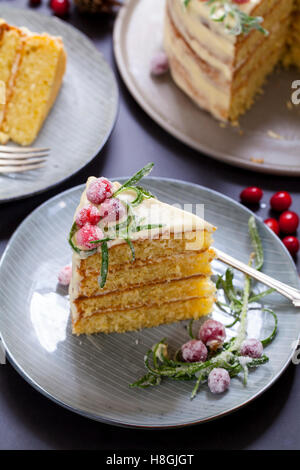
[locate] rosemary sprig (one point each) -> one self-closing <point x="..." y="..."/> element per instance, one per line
<point x="104" y="264"/>
<point x="135" y="179"/>
<point x="256" y="242"/>
<point x="236" y="21"/>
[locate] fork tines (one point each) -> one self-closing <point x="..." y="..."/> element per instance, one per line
<point x="15" y="159"/>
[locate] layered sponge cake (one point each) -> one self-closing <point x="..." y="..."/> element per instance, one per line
<point x="31" y="67"/>
<point x="137" y="262"/>
<point x="221" y="51"/>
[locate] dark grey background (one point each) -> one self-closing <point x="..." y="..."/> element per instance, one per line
<point x="30" y="421"/>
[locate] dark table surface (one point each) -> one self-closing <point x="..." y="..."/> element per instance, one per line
<point x="28" y="420"/>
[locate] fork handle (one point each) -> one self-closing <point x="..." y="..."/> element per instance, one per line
<point x="289" y="292"/>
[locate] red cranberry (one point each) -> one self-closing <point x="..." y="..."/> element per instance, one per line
<point x="159" y="64"/>
<point x="292" y="244"/>
<point x="35" y="3"/>
<point x="64" y="275"/>
<point x="60" y="7"/>
<point x="88" y="214"/>
<point x="212" y="333"/>
<point x="252" y="348"/>
<point x="99" y="190"/>
<point x="112" y="210"/>
<point x="194" y="351"/>
<point x="87" y="234"/>
<point x="251" y="195"/>
<point x="273" y="225"/>
<point x="218" y="380"/>
<point x="288" y="222"/>
<point x="240" y="1"/>
<point x="281" y="201"/>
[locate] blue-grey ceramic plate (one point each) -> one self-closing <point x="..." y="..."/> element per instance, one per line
<point x="82" y="117"/>
<point x="90" y="374"/>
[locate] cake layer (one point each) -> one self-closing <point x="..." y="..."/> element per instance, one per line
<point x="132" y="274"/>
<point x="135" y="319"/>
<point x="147" y="250"/>
<point x="36" y="85"/>
<point x="150" y="294"/>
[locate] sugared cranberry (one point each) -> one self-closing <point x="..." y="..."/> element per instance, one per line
<point x="288" y="222"/>
<point x="251" y="195"/>
<point x="88" y="214"/>
<point x="218" y="380"/>
<point x="281" y="201"/>
<point x="194" y="351"/>
<point x="87" y="234"/>
<point x="273" y="225"/>
<point x="64" y="275"/>
<point x="99" y="190"/>
<point x="292" y="244"/>
<point x="252" y="348"/>
<point x="159" y="64"/>
<point x="60" y="7"/>
<point x="212" y="333"/>
<point x="112" y="210"/>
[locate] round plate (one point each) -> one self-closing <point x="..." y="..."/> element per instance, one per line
<point x="90" y="374"/>
<point x="82" y="117"/>
<point x="268" y="137"/>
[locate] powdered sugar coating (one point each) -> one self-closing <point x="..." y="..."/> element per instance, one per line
<point x="112" y="210"/>
<point x="65" y="274"/>
<point x="87" y="234"/>
<point x="218" y="380"/>
<point x="212" y="333"/>
<point x="88" y="214"/>
<point x="99" y="190"/>
<point x="194" y="351"/>
<point x="159" y="64"/>
<point x="252" y="347"/>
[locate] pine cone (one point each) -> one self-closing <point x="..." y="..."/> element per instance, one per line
<point x="97" y="6"/>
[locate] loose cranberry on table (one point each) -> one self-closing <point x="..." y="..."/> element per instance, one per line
<point x="288" y="222"/>
<point x="99" y="190"/>
<point x="273" y="225"/>
<point x="112" y="210"/>
<point x="281" y="201"/>
<point x="88" y="214"/>
<point x="252" y="347"/>
<point x="194" y="351"/>
<point x="251" y="195"/>
<point x="87" y="234"/>
<point x="60" y="7"/>
<point x="212" y="333"/>
<point x="35" y="2"/>
<point x="218" y="380"/>
<point x="292" y="244"/>
<point x="64" y="275"/>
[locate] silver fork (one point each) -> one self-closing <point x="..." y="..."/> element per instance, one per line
<point x="16" y="159"/>
<point x="289" y="292"/>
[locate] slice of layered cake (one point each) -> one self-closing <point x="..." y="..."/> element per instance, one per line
<point x="137" y="262"/>
<point x="31" y="67"/>
<point x="221" y="51"/>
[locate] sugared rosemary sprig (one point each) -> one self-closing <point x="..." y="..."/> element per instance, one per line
<point x="235" y="20"/>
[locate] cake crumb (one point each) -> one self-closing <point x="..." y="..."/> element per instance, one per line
<point x="136" y="341"/>
<point x="289" y="105"/>
<point x="222" y="124"/>
<point x="241" y="132"/>
<point x="235" y="123"/>
<point x="274" y="135"/>
<point x="257" y="160"/>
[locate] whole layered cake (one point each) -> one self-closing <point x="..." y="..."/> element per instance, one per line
<point x="32" y="67"/>
<point x="221" y="51"/>
<point x="137" y="262"/>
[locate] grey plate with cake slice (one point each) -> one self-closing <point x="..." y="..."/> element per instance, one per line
<point x="83" y="114"/>
<point x="267" y="139"/>
<point x="90" y="375"/>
